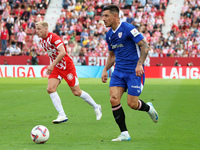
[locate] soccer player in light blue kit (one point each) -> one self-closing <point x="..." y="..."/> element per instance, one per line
<point x="127" y="51"/>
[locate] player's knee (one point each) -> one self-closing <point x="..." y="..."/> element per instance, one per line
<point x="76" y="93"/>
<point x="133" y="105"/>
<point x="114" y="100"/>
<point x="50" y="90"/>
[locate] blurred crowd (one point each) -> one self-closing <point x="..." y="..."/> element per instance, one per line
<point x="81" y="27"/>
<point x="81" y="21"/>
<point x="183" y="40"/>
<point x="17" y="26"/>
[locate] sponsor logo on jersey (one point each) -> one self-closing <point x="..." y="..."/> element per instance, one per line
<point x="50" y="52"/>
<point x="116" y="46"/>
<point x="135" y="32"/>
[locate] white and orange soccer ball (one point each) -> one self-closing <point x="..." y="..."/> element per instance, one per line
<point x="39" y="134"/>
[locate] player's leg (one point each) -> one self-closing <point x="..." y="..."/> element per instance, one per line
<point x="118" y="112"/>
<point x="87" y="98"/>
<point x="71" y="78"/>
<point x="135" y="103"/>
<point x="84" y="95"/>
<point x="135" y="87"/>
<point x="117" y="87"/>
<point x="51" y="89"/>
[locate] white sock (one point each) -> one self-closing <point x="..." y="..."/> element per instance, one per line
<point x="57" y="103"/>
<point x="86" y="97"/>
<point x="126" y="133"/>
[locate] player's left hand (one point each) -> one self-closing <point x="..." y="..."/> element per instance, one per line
<point x="139" y="70"/>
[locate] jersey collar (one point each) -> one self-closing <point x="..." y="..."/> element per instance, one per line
<point x="117" y="27"/>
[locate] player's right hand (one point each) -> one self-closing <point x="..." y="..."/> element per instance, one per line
<point x="104" y="76"/>
<point x="49" y="70"/>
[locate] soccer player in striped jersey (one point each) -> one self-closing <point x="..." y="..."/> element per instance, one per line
<point x="127" y="51"/>
<point x="62" y="67"/>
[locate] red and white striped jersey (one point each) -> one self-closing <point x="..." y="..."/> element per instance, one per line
<point x="50" y="44"/>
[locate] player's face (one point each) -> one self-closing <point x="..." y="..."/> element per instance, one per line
<point x="108" y="18"/>
<point x="40" y="31"/>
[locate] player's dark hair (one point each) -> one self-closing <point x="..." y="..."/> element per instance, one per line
<point x="112" y="8"/>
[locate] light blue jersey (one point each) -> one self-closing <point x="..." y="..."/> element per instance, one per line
<point x="123" y="42"/>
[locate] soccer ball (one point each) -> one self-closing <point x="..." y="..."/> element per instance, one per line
<point x="39" y="134"/>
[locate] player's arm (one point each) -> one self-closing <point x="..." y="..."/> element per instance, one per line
<point x="61" y="54"/>
<point x="143" y="55"/>
<point x="110" y="62"/>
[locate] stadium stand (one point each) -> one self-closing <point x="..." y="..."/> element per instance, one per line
<point x="173" y="34"/>
<point x="19" y="16"/>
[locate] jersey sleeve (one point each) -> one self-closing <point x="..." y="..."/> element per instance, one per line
<point x="56" y="40"/>
<point x="135" y="35"/>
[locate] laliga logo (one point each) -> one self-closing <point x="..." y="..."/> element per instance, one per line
<point x="43" y="72"/>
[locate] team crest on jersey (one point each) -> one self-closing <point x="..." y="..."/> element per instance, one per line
<point x="70" y="76"/>
<point x="120" y="34"/>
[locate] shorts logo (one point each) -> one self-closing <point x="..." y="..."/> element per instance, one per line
<point x="137" y="87"/>
<point x="70" y="76"/>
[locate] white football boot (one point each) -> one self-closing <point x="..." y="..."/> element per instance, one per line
<point x="122" y="137"/>
<point x="60" y="119"/>
<point x="98" y="112"/>
<point x="152" y="112"/>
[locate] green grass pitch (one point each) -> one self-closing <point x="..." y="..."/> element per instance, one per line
<point x="24" y="103"/>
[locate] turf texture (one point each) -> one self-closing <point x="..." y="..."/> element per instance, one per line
<point x="24" y="103"/>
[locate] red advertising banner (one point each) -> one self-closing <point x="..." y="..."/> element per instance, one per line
<point x="22" y="71"/>
<point x="173" y="72"/>
<point x="169" y="61"/>
<point x="22" y="60"/>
